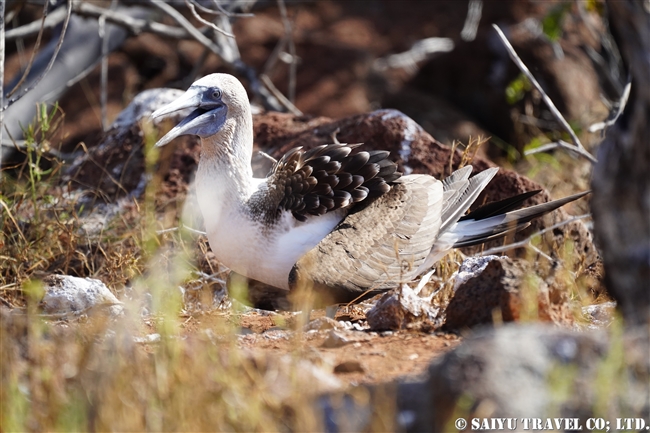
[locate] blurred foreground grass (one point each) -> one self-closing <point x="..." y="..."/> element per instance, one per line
<point x="88" y="373"/>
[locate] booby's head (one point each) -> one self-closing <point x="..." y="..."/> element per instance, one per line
<point x="214" y="98"/>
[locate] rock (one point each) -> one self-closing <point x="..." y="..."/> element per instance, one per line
<point x="116" y="164"/>
<point x="402" y="309"/>
<point x="498" y="288"/>
<point x="599" y="315"/>
<point x="322" y="323"/>
<point x="340" y="338"/>
<point x="470" y="268"/>
<point x="72" y="295"/>
<point x="538" y="371"/>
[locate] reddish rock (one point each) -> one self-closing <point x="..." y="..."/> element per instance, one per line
<point x="499" y="290"/>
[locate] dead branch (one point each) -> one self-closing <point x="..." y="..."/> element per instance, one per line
<point x="51" y="63"/>
<point x="187" y="26"/>
<point x="280" y="97"/>
<point x="206" y="22"/>
<point x="220" y="10"/>
<point x="288" y="36"/>
<point x="470" y="28"/>
<point x="103" y="97"/>
<point x="31" y="59"/>
<point x="33" y="28"/>
<point x="408" y="60"/>
<point x="577" y="146"/>
<point x="134" y="25"/>
<point x="621" y="106"/>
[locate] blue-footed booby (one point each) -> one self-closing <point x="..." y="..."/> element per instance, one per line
<point x="343" y="221"/>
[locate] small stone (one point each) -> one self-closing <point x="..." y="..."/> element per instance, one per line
<point x="65" y="294"/>
<point x="321" y="324"/>
<point x="340" y="338"/>
<point x="402" y="309"/>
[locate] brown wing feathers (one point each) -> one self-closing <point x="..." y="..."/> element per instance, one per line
<point x="328" y="177"/>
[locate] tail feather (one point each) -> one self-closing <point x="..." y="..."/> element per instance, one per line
<point x="459" y="203"/>
<point x="485" y="226"/>
<point x="499" y="207"/>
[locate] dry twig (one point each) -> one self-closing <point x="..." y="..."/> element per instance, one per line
<point x="220" y="10"/>
<point x="577" y="146"/>
<point x="206" y="22"/>
<point x="104" y="70"/>
<point x="280" y="97"/>
<point x="50" y="64"/>
<point x="134" y="25"/>
<point x="33" y="28"/>
<point x="474" y="12"/>
<point x="187" y="26"/>
<point x="31" y="59"/>
<point x="288" y="36"/>
<point x="621" y="106"/>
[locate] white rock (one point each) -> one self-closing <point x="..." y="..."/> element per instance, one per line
<point x="470" y="268"/>
<point x="65" y="294"/>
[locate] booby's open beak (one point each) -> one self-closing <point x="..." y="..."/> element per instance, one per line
<point x="206" y="119"/>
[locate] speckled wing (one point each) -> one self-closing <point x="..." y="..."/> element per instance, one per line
<point x="327" y="178"/>
<point x="377" y="246"/>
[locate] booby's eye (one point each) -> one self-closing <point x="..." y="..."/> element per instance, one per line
<point x="216" y="93"/>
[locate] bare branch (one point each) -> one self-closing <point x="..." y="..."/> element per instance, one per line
<point x="288" y="35"/>
<point x="273" y="57"/>
<point x="31" y="59"/>
<point x="559" y="144"/>
<point x="526" y="242"/>
<point x="185" y="24"/>
<point x="577" y="145"/>
<point x="280" y="97"/>
<point x="206" y="22"/>
<point x="104" y="69"/>
<point x="229" y="13"/>
<point x="621" y="106"/>
<point x="134" y="25"/>
<point x="49" y="65"/>
<point x="52" y="20"/>
<point x="220" y="10"/>
<point x="421" y="50"/>
<point x="474" y="12"/>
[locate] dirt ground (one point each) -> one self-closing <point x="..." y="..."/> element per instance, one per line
<point x="370" y="358"/>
